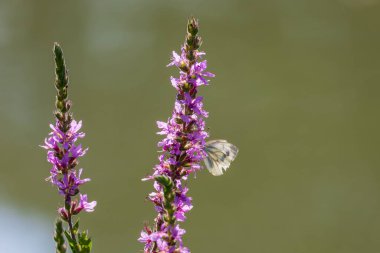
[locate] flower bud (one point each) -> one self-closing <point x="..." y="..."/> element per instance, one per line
<point x="183" y="66"/>
<point x="63" y="213"/>
<point x="192" y="26"/>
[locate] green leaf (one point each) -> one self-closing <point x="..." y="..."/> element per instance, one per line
<point x="76" y="227"/>
<point x="73" y="245"/>
<point x="85" y="242"/>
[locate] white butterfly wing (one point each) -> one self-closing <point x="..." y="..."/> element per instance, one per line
<point x="220" y="154"/>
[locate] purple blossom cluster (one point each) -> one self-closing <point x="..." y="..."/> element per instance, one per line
<point x="157" y="241"/>
<point x="182" y="147"/>
<point x="63" y="154"/>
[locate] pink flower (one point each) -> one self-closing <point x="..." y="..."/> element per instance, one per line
<point x="85" y="205"/>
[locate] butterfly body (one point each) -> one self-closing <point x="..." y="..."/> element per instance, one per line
<point x="220" y="154"/>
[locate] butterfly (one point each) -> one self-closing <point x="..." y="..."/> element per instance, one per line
<point x="220" y="154"/>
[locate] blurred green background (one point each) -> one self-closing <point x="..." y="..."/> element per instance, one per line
<point x="296" y="89"/>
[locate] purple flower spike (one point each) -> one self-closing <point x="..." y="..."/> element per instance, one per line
<point x="63" y="153"/>
<point x="182" y="149"/>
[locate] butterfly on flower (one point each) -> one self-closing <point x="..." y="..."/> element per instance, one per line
<point x="220" y="154"/>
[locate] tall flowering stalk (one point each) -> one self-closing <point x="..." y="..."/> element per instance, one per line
<point x="182" y="149"/>
<point x="63" y="153"/>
